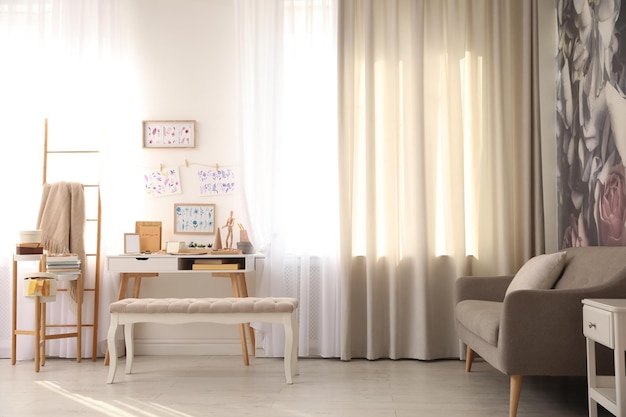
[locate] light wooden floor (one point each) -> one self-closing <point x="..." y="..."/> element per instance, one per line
<point x="184" y="386"/>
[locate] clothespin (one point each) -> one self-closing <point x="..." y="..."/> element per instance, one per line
<point x="186" y="164"/>
<point x="160" y="167"/>
<point x="217" y="167"/>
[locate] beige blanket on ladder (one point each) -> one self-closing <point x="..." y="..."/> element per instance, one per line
<point x="62" y="220"/>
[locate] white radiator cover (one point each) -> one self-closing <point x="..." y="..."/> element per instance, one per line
<point x="306" y="286"/>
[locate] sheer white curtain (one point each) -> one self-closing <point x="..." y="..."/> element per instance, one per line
<point x="287" y="84"/>
<point x="439" y="171"/>
<point x="57" y="64"/>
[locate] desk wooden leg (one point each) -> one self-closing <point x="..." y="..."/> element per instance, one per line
<point x="107" y="358"/>
<point x="243" y="291"/>
<point x="121" y="292"/>
<point x="137" y="286"/>
<point x="244" y="344"/>
<point x="234" y="280"/>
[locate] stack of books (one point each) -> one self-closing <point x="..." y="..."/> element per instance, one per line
<point x="63" y="263"/>
<point x="213" y="264"/>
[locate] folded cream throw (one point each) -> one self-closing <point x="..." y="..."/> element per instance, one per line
<point x="62" y="220"/>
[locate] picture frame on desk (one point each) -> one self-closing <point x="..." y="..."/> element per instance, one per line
<point x="149" y="236"/>
<point x="169" y="133"/>
<point x="131" y="243"/>
<point x="194" y="219"/>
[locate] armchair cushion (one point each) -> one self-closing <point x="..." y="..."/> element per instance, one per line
<point x="482" y="317"/>
<point x="540" y="272"/>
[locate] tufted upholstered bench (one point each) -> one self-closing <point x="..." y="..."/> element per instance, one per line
<point x="231" y="310"/>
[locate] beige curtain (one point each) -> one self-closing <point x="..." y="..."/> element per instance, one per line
<point x="439" y="164"/>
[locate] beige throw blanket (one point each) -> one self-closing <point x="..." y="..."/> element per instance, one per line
<point x="62" y="220"/>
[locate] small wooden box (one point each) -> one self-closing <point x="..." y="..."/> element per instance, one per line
<point x="29" y="249"/>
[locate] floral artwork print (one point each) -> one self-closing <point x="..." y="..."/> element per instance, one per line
<point x="154" y="135"/>
<point x="162" y="182"/>
<point x="194" y="218"/>
<point x="216" y="181"/>
<point x="173" y="134"/>
<point x="176" y="135"/>
<point x="591" y="123"/>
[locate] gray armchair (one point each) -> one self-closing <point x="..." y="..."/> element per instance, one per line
<point x="537" y="331"/>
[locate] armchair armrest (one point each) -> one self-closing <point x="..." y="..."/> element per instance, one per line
<point x="490" y="288"/>
<point x="541" y="331"/>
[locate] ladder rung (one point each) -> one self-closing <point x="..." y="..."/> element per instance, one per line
<point x="49" y="326"/>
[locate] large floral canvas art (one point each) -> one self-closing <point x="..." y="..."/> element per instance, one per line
<point x="591" y="123"/>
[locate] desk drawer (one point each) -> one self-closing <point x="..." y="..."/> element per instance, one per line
<point x="598" y="325"/>
<point x="143" y="264"/>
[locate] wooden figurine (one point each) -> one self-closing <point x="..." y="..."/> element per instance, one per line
<point x="228" y="248"/>
<point x="229" y="236"/>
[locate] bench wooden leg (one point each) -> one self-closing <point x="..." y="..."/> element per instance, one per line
<point x="129" y="343"/>
<point x="112" y="348"/>
<point x="121" y="292"/>
<point x="291" y="347"/>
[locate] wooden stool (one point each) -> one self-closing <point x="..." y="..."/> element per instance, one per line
<point x="42" y="287"/>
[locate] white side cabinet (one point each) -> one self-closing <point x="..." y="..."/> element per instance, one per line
<point x="604" y="322"/>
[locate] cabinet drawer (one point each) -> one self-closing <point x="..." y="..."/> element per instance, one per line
<point x="143" y="264"/>
<point x="598" y="325"/>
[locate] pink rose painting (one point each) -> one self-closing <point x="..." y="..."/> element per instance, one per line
<point x="591" y="126"/>
<point x="612" y="209"/>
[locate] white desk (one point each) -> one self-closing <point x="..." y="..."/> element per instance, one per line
<point x="177" y="263"/>
<point x="604" y="322"/>
<point x="150" y="265"/>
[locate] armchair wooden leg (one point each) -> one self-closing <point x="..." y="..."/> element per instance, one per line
<point x="469" y="359"/>
<point x="516" y="388"/>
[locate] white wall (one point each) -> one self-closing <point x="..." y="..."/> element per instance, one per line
<point x="182" y="66"/>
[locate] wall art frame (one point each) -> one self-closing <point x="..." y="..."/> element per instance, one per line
<point x="169" y="133"/>
<point x="194" y="219"/>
